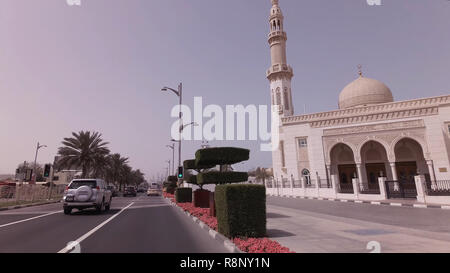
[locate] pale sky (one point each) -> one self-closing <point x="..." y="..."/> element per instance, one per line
<point x="100" y="66"/>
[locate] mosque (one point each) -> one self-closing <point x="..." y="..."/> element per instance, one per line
<point x="371" y="148"/>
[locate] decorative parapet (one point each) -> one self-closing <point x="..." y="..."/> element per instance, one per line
<point x="410" y="124"/>
<point x="377" y="112"/>
<point x="280" y="69"/>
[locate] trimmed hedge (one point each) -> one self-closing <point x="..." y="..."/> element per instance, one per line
<point x="221" y="156"/>
<point x="191" y="165"/>
<point x="221" y="177"/>
<point x="192" y="179"/>
<point x="171" y="188"/>
<point x="183" y="195"/>
<point x="172" y="178"/>
<point x="241" y="210"/>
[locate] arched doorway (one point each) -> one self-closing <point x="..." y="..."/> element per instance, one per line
<point x="409" y="162"/>
<point x="343" y="164"/>
<point x="375" y="162"/>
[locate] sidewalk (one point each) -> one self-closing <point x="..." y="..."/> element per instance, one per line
<point x="310" y="232"/>
<point x="388" y="202"/>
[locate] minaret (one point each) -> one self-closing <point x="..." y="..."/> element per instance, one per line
<point x="280" y="73"/>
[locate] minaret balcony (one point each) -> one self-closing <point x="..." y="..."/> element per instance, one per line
<point x="280" y="69"/>
<point x="277" y="33"/>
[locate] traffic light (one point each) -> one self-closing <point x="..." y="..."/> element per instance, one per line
<point x="47" y="170"/>
<point x="180" y="172"/>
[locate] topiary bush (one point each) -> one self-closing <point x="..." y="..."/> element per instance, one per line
<point x="171" y="184"/>
<point x="221" y="156"/>
<point x="241" y="210"/>
<point x="172" y="178"/>
<point x="221" y="177"/>
<point x="183" y="195"/>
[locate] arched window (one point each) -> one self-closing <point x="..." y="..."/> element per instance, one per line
<point x="278" y="96"/>
<point x="286" y="99"/>
<point x="307" y="175"/>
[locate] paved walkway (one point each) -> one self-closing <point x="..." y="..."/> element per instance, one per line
<point x="316" y="226"/>
<point x="389" y="202"/>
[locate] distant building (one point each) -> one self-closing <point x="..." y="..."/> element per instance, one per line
<point x="65" y="176"/>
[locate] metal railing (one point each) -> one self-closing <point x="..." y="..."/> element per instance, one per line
<point x="324" y="184"/>
<point x="311" y="183"/>
<point x="297" y="184"/>
<point x="401" y="189"/>
<point x="346" y="188"/>
<point x="285" y="183"/>
<point x="369" y="191"/>
<point x="438" y="188"/>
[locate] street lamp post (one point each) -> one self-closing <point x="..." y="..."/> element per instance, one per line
<point x="179" y="93"/>
<point x="173" y="156"/>
<point x="168" y="168"/>
<point x="38" y="146"/>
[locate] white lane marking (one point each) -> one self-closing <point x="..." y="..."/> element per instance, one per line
<point x="92" y="231"/>
<point x="29" y="219"/>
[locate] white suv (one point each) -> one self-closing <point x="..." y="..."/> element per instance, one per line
<point x="87" y="193"/>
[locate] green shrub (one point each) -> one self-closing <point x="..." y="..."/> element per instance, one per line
<point x="192" y="180"/>
<point x="241" y="210"/>
<point x="221" y="177"/>
<point x="183" y="195"/>
<point x="221" y="156"/>
<point x="191" y="165"/>
<point x="171" y="188"/>
<point x="172" y="179"/>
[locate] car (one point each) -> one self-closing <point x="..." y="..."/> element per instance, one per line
<point x="129" y="191"/>
<point x="113" y="190"/>
<point x="153" y="192"/>
<point x="87" y="193"/>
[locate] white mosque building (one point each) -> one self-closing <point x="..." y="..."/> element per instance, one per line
<point x="371" y="148"/>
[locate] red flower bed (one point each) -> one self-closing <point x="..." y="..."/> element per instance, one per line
<point x="260" y="245"/>
<point x="249" y="245"/>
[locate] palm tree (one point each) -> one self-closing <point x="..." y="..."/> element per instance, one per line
<point x="84" y="150"/>
<point x="115" y="167"/>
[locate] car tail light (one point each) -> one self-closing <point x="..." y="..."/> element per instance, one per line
<point x="97" y="187"/>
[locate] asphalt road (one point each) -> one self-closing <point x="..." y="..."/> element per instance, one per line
<point x="133" y="225"/>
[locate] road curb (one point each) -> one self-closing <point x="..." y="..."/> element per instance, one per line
<point x="29" y="205"/>
<point x="377" y="203"/>
<point x="227" y="243"/>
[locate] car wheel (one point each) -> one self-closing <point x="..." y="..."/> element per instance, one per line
<point x="67" y="211"/>
<point x="99" y="208"/>
<point x="107" y="207"/>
